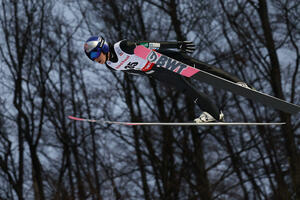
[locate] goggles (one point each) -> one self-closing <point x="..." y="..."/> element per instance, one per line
<point x="95" y="53"/>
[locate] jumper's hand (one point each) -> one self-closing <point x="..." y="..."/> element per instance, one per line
<point x="186" y="46"/>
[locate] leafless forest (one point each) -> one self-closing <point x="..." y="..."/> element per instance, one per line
<point x="45" y="76"/>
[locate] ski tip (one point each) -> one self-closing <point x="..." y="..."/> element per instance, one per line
<point x="75" y="118"/>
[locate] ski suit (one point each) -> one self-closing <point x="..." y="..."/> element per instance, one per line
<point x="122" y="58"/>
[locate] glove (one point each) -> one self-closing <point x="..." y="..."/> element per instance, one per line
<point x="186" y="46"/>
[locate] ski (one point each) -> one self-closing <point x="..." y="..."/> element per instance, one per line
<point x="177" y="123"/>
<point x="217" y="82"/>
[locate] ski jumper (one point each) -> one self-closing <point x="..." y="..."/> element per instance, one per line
<point x="123" y="58"/>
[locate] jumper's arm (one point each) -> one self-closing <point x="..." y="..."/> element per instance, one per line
<point x="185" y="46"/>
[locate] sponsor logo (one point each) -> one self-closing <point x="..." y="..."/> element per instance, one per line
<point x="166" y="62"/>
<point x="145" y="44"/>
<point x="117" y="67"/>
<point x="154" y="45"/>
<point x="119" y="51"/>
<point x="152" y="57"/>
<point x="148" y="66"/>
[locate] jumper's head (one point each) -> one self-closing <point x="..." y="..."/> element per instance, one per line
<point x="94" y="46"/>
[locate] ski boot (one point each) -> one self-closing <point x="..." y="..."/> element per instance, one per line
<point x="205" y="117"/>
<point x="245" y="85"/>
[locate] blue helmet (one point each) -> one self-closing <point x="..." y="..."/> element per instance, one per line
<point x="94" y="46"/>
